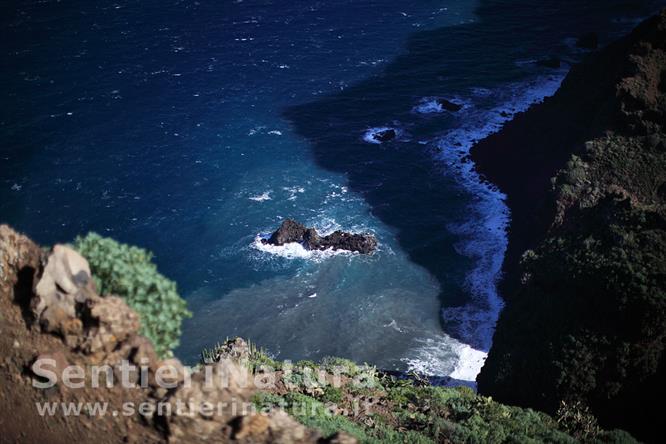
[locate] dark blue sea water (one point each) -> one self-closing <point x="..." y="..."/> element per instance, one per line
<point x="192" y="128"/>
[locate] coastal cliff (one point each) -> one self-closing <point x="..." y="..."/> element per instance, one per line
<point x="585" y="272"/>
<point x="60" y="326"/>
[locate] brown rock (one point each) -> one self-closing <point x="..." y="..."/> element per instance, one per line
<point x="191" y="424"/>
<point x="55" y="362"/>
<point x="116" y="323"/>
<point x="65" y="282"/>
<point x="99" y="331"/>
<point x="342" y="438"/>
<point x="250" y="426"/>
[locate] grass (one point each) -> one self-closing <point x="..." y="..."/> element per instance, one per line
<point x="378" y="408"/>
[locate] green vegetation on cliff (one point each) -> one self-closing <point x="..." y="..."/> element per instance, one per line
<point x="129" y="272"/>
<point x="375" y="407"/>
<point x="585" y="318"/>
<point x="338" y="395"/>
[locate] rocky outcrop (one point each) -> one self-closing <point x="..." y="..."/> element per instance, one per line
<point x="51" y="313"/>
<point x="585" y="314"/>
<point x="385" y="135"/>
<point x="291" y="231"/>
<point x="448" y="105"/>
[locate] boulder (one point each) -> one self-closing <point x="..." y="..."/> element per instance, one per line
<point x="449" y="105"/>
<point x="292" y="231"/>
<point x="112" y="323"/>
<point x="65" y="282"/>
<point x="385" y="135"/>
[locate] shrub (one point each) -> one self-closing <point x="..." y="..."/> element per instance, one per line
<point x="575" y="418"/>
<point x="257" y="357"/>
<point x="312" y="413"/>
<point x="334" y="364"/>
<point x="410" y="411"/>
<point x="332" y="394"/>
<point x="129" y="272"/>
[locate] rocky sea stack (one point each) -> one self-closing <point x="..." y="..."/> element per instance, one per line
<point x="291" y="231"/>
<point x="385" y="135"/>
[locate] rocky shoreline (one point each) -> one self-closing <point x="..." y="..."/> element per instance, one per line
<point x="583" y="281"/>
<point x="54" y="320"/>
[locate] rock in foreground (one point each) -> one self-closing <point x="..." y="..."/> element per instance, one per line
<point x="292" y="231"/>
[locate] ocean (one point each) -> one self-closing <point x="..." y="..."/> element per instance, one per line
<point x="193" y="128"/>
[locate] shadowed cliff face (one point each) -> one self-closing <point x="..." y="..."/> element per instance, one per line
<point x="445" y="62"/>
<point x="584" y="172"/>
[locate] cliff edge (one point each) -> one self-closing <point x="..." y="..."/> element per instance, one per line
<point x="585" y="271"/>
<point x="53" y="323"/>
<point x="75" y="366"/>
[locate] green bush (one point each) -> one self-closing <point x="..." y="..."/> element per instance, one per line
<point x="332" y="394"/>
<point x="129" y="272"/>
<point x="409" y="411"/>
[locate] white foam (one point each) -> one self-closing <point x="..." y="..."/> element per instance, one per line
<point x="483" y="236"/>
<point x="394" y="325"/>
<point x="429" y="106"/>
<point x="432" y="105"/>
<point x="289" y="251"/>
<point x="261" y="197"/>
<point x="370" y="133"/>
<point x="255" y="130"/>
<point x="327" y="225"/>
<point x="446" y="357"/>
<point x="481" y="92"/>
<point x="432" y="356"/>
<point x="261" y="129"/>
<point x="469" y="363"/>
<point x="295" y="250"/>
<point x="293" y="192"/>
